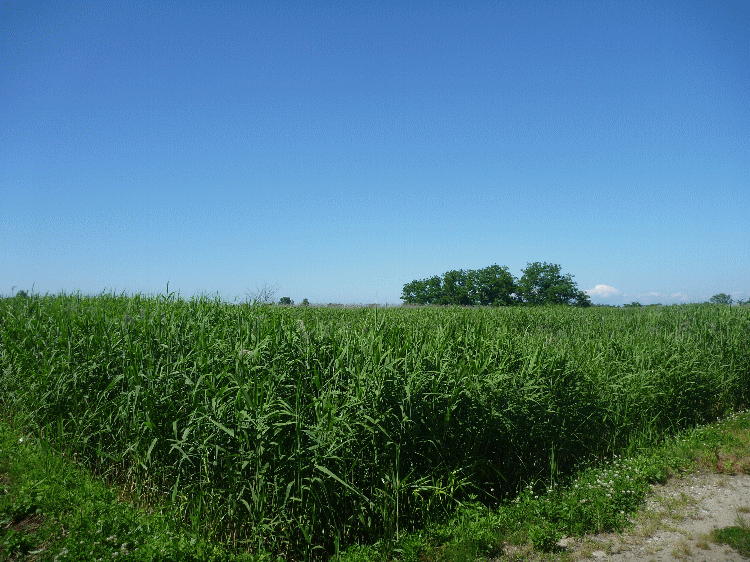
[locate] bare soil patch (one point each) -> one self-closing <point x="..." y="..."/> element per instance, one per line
<point x="676" y="523"/>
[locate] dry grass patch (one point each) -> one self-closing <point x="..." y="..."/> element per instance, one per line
<point x="725" y="463"/>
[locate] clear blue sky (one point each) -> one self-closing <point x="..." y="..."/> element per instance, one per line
<point x="338" y="150"/>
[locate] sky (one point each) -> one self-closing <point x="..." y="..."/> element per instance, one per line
<point x="337" y="150"/>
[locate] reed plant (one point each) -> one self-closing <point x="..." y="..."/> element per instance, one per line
<point x="301" y="430"/>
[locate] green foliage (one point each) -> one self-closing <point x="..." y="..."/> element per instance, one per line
<point x="81" y="520"/>
<point x="634" y="304"/>
<point x="303" y="430"/>
<point x="286" y="301"/>
<point x="543" y="283"/>
<point x="599" y="498"/>
<point x="738" y="536"/>
<point x="491" y="286"/>
<point x="426" y="291"/>
<point x="51" y="510"/>
<point x="721" y="298"/>
<point x="544" y="536"/>
<point x="305" y="302"/>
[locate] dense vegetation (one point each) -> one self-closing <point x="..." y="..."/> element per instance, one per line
<point x="541" y="283"/>
<point x="291" y="429"/>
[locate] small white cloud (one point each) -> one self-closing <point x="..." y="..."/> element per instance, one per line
<point x="653" y="294"/>
<point x="603" y="291"/>
<point x="680" y="296"/>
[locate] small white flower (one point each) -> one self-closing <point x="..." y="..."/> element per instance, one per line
<point x="20" y="440"/>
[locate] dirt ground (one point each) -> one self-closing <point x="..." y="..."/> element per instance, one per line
<point x="675" y="523"/>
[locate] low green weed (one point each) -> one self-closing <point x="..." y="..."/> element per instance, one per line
<point x="737" y="536"/>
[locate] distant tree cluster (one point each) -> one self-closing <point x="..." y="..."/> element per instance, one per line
<point x="541" y="283"/>
<point x="721" y="298"/>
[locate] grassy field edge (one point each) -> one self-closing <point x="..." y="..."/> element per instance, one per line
<point x="600" y="498"/>
<point x="53" y="509"/>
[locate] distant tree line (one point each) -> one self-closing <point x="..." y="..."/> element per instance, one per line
<point x="722" y="298"/>
<point x="541" y="283"/>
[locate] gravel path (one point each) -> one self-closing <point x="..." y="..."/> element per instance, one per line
<point x="676" y="523"/>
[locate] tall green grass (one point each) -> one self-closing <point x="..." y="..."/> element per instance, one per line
<point x="303" y="430"/>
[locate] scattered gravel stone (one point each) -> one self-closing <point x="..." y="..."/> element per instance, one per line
<point x="676" y="523"/>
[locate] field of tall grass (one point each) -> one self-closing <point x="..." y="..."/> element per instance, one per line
<point x="295" y="429"/>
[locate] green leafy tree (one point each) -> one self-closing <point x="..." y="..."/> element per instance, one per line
<point x="286" y="300"/>
<point x="494" y="286"/>
<point x="491" y="286"/>
<point x="544" y="283"/>
<point x="305" y="302"/>
<point x="424" y="291"/>
<point x="434" y="289"/>
<point x="581" y="299"/>
<point x="721" y="298"/>
<point x="416" y="292"/>
<point x="634" y="304"/>
<point x="457" y="288"/>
